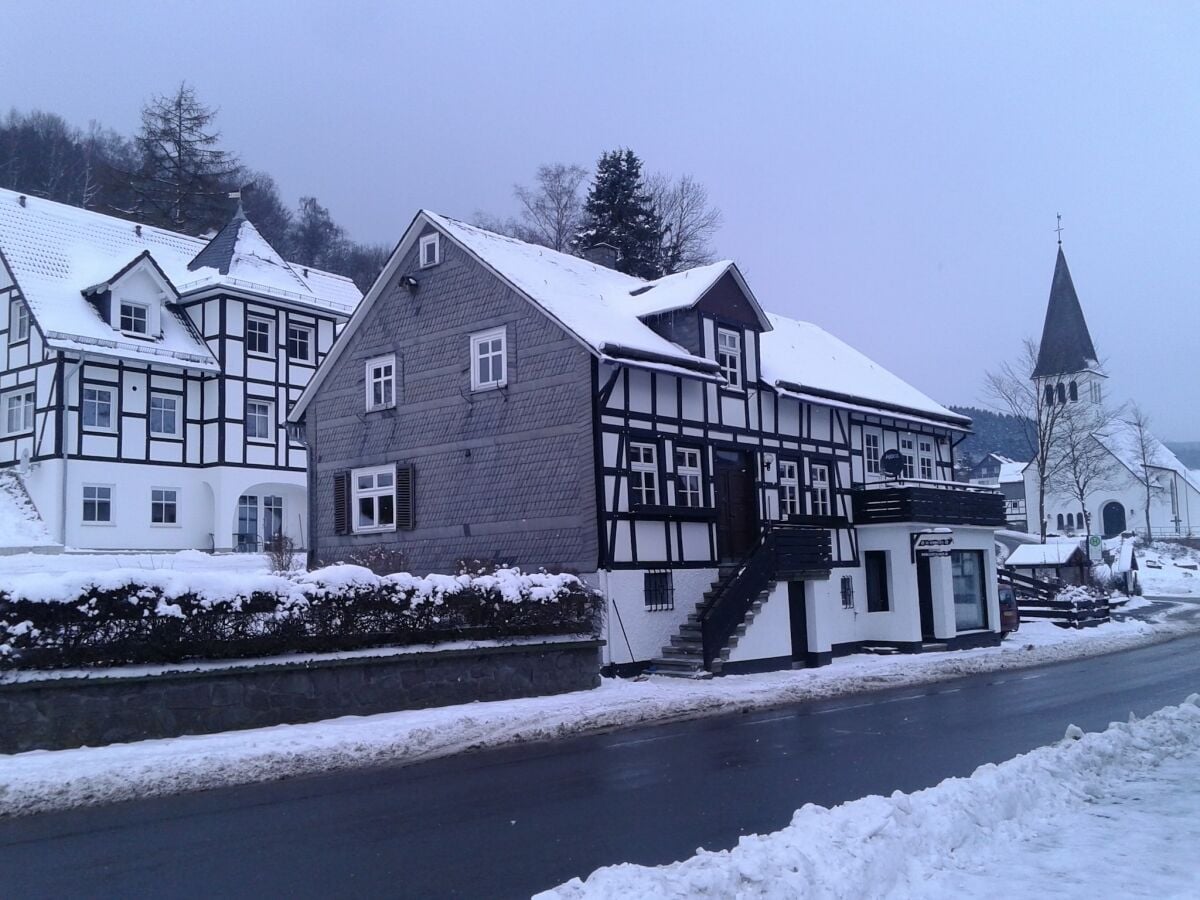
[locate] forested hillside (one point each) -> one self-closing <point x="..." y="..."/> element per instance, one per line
<point x="994" y="433"/>
<point x="1187" y="451"/>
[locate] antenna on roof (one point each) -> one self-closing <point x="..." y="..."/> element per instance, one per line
<point x="1059" y="228"/>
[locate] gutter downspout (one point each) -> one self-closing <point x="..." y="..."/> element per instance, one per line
<point x="62" y="499"/>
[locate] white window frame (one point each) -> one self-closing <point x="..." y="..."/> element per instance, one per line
<point x="272" y="425"/>
<point x="25" y="409"/>
<point x="374" y="492"/>
<point x="111" y="391"/>
<point x="18" y="322"/>
<point x="643" y="474"/>
<point x="872" y="452"/>
<point x="689" y="478"/>
<point x="375" y="377"/>
<point x="174" y="399"/>
<point x="908" y="450"/>
<point x="133" y="305"/>
<point x="822" y="504"/>
<point x="729" y="356"/>
<point x="477" y="344"/>
<point x="789" y="487"/>
<point x="925" y="459"/>
<point x="428" y="241"/>
<point x="159" y="497"/>
<point x="96" y="499"/>
<point x="310" y="336"/>
<point x="270" y="323"/>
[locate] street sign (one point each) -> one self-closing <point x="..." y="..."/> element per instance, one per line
<point x="1095" y="548"/>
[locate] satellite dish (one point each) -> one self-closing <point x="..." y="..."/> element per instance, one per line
<point x="892" y="463"/>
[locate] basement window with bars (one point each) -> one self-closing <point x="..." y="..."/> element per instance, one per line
<point x="847" y="592"/>
<point x="659" y="591"/>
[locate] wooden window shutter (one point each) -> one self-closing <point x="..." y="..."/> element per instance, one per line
<point x="405" y="513"/>
<point x="341" y="503"/>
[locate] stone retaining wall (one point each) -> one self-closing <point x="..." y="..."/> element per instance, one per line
<point x="74" y="712"/>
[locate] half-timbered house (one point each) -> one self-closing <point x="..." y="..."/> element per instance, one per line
<point x="719" y="472"/>
<point x="146" y="377"/>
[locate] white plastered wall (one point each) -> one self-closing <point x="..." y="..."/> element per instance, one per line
<point x="645" y="632"/>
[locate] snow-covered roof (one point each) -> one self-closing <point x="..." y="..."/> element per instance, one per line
<point x="591" y="301"/>
<point x="55" y="251"/>
<point x="808" y="358"/>
<point x="1120" y="438"/>
<point x="1012" y="471"/>
<point x="603" y="309"/>
<point x="1052" y="553"/>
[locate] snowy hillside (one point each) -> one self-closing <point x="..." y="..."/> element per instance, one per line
<point x="20" y="524"/>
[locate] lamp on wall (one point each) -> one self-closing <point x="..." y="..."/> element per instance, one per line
<point x="766" y="464"/>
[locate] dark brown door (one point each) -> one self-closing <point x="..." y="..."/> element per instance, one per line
<point x="737" y="511"/>
<point x="925" y="597"/>
<point x="799" y="621"/>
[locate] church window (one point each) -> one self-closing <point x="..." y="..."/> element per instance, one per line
<point x="1062" y="393"/>
<point x="1070" y="521"/>
<point x="1074" y="389"/>
<point x="1060" y="522"/>
<point x="1049" y="395"/>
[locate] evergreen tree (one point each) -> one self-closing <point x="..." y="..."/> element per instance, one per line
<point x="315" y="239"/>
<point x="620" y="212"/>
<point x="184" y="178"/>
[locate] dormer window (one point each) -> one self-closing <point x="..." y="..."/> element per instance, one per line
<point x="135" y="318"/>
<point x="729" y="356"/>
<point x="431" y="250"/>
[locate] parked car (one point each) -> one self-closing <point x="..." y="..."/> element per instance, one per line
<point x="1010" y="615"/>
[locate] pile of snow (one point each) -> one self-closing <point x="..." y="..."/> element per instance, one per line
<point x="45" y="780"/>
<point x="1110" y="814"/>
<point x="1165" y="570"/>
<point x="20" y="524"/>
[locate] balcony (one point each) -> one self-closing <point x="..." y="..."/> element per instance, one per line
<point x="931" y="502"/>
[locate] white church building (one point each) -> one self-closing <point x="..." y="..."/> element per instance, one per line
<point x="146" y="377"/>
<point x="1068" y="372"/>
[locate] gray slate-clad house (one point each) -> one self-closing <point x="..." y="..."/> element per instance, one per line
<point x="747" y="490"/>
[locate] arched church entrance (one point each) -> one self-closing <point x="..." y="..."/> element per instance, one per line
<point x="1114" y="518"/>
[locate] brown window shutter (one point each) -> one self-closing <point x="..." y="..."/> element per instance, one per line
<point x="405" y="514"/>
<point x="341" y="503"/>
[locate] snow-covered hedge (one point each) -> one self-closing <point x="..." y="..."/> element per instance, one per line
<point x="138" y="616"/>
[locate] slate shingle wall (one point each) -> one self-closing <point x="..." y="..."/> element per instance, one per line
<point x="502" y="474"/>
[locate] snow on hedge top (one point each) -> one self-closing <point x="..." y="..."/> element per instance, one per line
<point x="811" y="357"/>
<point x="213" y="587"/>
<point x="56" y="251"/>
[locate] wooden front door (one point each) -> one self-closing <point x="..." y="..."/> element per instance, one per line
<point x="737" y="510"/>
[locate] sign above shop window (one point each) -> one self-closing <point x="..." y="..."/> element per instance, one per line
<point x="932" y="543"/>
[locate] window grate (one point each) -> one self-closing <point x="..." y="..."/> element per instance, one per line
<point x="847" y="592"/>
<point x="660" y="591"/>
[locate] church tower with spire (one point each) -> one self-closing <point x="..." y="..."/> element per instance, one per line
<point x="1067" y="369"/>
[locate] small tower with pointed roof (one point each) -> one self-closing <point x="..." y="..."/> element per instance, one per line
<point x="1067" y="369"/>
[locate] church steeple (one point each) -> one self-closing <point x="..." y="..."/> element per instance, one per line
<point x="1066" y="346"/>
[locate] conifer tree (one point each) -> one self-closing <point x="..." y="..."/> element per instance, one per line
<point x="184" y="177"/>
<point x="619" y="211"/>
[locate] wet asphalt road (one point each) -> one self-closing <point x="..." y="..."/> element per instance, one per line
<point x="510" y="822"/>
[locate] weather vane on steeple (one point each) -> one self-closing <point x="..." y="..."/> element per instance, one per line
<point x="1059" y="228"/>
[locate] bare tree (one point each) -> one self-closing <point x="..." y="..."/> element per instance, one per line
<point x="1011" y="389"/>
<point x="1083" y="466"/>
<point x="1146" y="458"/>
<point x="688" y="221"/>
<point x="552" y="207"/>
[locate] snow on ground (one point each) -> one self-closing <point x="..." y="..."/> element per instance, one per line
<point x="20" y="524"/>
<point x="1171" y="579"/>
<point x="1110" y="814"/>
<point x="43" y="780"/>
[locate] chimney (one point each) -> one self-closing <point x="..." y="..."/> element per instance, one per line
<point x="602" y="255"/>
<point x="137" y="229"/>
<point x="21" y="200"/>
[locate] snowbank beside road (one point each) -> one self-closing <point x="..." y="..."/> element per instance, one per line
<point x="1110" y="814"/>
<point x="44" y="780"/>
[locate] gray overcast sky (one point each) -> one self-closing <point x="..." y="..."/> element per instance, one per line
<point x="889" y="171"/>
